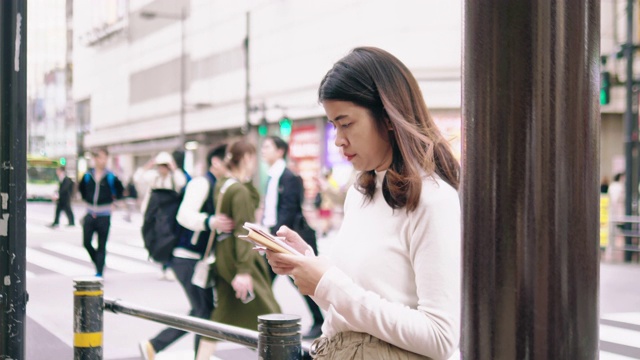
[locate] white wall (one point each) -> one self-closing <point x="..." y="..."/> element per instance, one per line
<point x="293" y="44"/>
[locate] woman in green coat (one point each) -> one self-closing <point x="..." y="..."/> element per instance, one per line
<point x="243" y="284"/>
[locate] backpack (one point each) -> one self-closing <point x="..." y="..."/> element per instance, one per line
<point x="111" y="180"/>
<point x="160" y="229"/>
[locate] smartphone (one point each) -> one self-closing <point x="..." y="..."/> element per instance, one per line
<point x="249" y="298"/>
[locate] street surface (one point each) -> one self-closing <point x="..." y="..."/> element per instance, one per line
<point x="56" y="256"/>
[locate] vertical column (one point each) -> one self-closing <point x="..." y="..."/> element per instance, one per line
<point x="530" y="179"/>
<point x="279" y="337"/>
<point x="88" y="310"/>
<point x="13" y="172"/>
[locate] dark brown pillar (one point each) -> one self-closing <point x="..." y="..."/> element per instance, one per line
<point x="530" y="179"/>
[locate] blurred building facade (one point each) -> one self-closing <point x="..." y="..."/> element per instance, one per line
<point x="50" y="111"/>
<point x="613" y="34"/>
<point x="127" y="75"/>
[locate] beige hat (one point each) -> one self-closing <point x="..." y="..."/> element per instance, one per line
<point x="163" y="158"/>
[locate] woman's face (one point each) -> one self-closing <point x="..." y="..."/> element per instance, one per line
<point x="358" y="136"/>
<point x="163" y="170"/>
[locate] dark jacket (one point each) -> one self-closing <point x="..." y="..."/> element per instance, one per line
<point x="98" y="200"/>
<point x="65" y="191"/>
<point x="289" y="209"/>
<point x="290" y="192"/>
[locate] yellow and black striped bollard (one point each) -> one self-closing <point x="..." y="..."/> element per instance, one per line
<point x="88" y="305"/>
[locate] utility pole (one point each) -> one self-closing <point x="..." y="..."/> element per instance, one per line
<point x="183" y="75"/>
<point x="529" y="179"/>
<point x="13" y="172"/>
<point x="247" y="91"/>
<point x="630" y="136"/>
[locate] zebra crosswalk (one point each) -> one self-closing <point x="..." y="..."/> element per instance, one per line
<point x="620" y="336"/>
<point x="71" y="258"/>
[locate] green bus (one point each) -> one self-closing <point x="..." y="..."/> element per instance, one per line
<point x="42" y="181"/>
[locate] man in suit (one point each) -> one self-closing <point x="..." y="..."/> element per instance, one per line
<point x="283" y="206"/>
<point x="64" y="197"/>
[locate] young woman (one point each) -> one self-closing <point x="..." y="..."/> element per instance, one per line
<point x="391" y="289"/>
<point x="243" y="283"/>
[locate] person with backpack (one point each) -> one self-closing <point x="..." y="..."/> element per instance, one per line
<point x="99" y="189"/>
<point x="164" y="183"/>
<point x="196" y="215"/>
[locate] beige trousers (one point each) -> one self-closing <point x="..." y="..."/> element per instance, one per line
<point x="358" y="346"/>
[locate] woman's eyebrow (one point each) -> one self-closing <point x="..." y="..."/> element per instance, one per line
<point x="338" y="118"/>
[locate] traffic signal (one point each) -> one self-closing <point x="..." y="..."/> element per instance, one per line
<point x="263" y="128"/>
<point x="605" y="88"/>
<point x="285" y="126"/>
<point x="63" y="161"/>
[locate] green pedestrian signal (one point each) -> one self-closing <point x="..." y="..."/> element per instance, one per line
<point x="605" y="88"/>
<point x="63" y="161"/>
<point x="262" y="130"/>
<point x="285" y="127"/>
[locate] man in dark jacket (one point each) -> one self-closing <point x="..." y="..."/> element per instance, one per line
<point x="99" y="188"/>
<point x="64" y="197"/>
<point x="283" y="206"/>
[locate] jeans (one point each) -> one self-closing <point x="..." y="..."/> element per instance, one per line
<point x="201" y="301"/>
<point x="100" y="225"/>
<point x="66" y="207"/>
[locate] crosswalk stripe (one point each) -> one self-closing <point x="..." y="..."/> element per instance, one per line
<point x="30" y="275"/>
<point x="628" y="318"/>
<point x="604" y="355"/>
<point x="57" y="264"/>
<point x="135" y="252"/>
<point x="620" y="336"/>
<point x="114" y="262"/>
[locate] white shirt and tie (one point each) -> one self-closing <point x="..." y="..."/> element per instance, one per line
<point x="270" y="217"/>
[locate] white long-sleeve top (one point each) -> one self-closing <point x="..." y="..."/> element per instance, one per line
<point x="397" y="275"/>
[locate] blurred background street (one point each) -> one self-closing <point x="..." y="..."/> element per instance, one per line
<point x="138" y="77"/>
<point x="56" y="256"/>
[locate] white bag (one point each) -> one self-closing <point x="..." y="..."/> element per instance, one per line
<point x="203" y="272"/>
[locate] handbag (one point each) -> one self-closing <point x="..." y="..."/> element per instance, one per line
<point x="203" y="275"/>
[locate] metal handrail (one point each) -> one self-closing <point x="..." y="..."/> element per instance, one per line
<point x="278" y="335"/>
<point x="208" y="328"/>
<point x="199" y="326"/>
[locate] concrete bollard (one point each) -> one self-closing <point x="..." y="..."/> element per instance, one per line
<point x="88" y="304"/>
<point x="279" y="337"/>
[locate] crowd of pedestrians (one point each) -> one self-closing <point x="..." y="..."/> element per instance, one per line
<point x="390" y="290"/>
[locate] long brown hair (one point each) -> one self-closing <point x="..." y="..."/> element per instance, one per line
<point x="376" y="80"/>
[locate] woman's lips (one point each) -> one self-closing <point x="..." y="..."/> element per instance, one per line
<point x="349" y="156"/>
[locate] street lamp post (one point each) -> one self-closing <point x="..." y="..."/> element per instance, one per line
<point x="183" y="72"/>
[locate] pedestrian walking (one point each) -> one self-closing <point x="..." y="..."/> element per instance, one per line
<point x="283" y="206"/>
<point x="164" y="183"/>
<point x="63" y="202"/>
<point x="99" y="188"/>
<point x="391" y="287"/>
<point x="242" y="275"/>
<point x="196" y="215"/>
